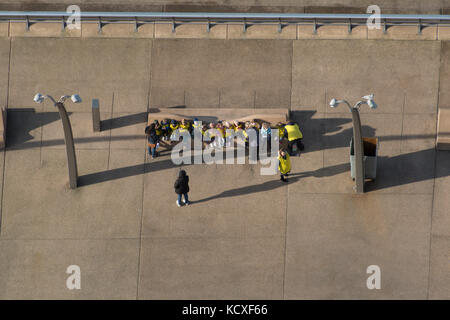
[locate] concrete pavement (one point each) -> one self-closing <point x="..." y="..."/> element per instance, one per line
<point x="245" y="235"/>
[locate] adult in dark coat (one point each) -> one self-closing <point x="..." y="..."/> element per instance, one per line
<point x="152" y="139"/>
<point x="182" y="187"/>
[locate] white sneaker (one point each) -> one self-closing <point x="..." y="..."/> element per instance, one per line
<point x="178" y="204"/>
<point x="186" y="203"/>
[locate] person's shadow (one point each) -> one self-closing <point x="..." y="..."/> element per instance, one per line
<point x="274" y="184"/>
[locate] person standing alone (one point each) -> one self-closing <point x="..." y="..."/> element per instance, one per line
<point x="284" y="165"/>
<point x="182" y="188"/>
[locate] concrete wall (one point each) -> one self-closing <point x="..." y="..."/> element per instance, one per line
<point x="231" y="31"/>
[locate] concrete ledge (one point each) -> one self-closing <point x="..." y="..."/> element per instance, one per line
<point x="210" y="115"/>
<point x="190" y="31"/>
<point x="223" y="31"/>
<point x="331" y="32"/>
<point x="124" y="30"/>
<point x="443" y="33"/>
<point x="3" y="117"/>
<point x="18" y="29"/>
<point x="403" y="33"/>
<point x="443" y="131"/>
<point x="4" y="29"/>
<point x="235" y="31"/>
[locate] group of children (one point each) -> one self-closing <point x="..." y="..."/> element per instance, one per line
<point x="222" y="134"/>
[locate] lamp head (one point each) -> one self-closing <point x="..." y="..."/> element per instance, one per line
<point x="370" y="101"/>
<point x="38" y="98"/>
<point x="333" y="103"/>
<point x="75" y="98"/>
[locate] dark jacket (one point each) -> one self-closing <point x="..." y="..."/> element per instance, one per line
<point x="182" y="183"/>
<point x="152" y="137"/>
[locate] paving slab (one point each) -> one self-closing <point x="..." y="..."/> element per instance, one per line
<point x="233" y="67"/>
<point x="24" y="128"/>
<point x="83" y="134"/>
<point x="79" y="66"/>
<point x="329" y="249"/>
<point x="56" y="212"/>
<point x="444" y="75"/>
<point x="211" y="268"/>
<point x="224" y="204"/>
<point x="419" y="132"/>
<point x="439" y="286"/>
<point x="4" y="29"/>
<point x="4" y="70"/>
<point x="409" y="172"/>
<point x="133" y="131"/>
<point x="202" y="98"/>
<point x="36" y="269"/>
<point x="441" y="204"/>
<point x="350" y="69"/>
<point x="387" y="127"/>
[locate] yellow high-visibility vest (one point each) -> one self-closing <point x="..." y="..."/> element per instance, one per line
<point x="281" y="132"/>
<point x="184" y="127"/>
<point x="285" y="164"/>
<point x="293" y="132"/>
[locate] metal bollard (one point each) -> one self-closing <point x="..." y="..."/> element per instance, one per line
<point x="96" y="115"/>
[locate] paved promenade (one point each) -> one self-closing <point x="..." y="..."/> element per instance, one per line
<point x="245" y="236"/>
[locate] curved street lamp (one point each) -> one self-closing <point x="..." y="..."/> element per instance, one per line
<point x="357" y="136"/>
<point x="68" y="136"/>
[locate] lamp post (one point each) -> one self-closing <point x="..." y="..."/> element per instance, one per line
<point x="68" y="136"/>
<point x="358" y="144"/>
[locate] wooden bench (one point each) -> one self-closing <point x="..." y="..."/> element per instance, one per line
<point x="272" y="116"/>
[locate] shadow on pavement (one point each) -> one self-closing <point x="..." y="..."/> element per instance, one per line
<point x="124" y="121"/>
<point x="274" y="184"/>
<point x="409" y="168"/>
<point x="119" y="173"/>
<point x="20" y="122"/>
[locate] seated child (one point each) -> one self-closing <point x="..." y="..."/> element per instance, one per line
<point x="229" y="133"/>
<point x="174" y="133"/>
<point x="185" y="126"/>
<point x="266" y="133"/>
<point x="165" y="129"/>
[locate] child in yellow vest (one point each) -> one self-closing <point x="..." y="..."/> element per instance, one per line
<point x="284" y="164"/>
<point x="174" y="133"/>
